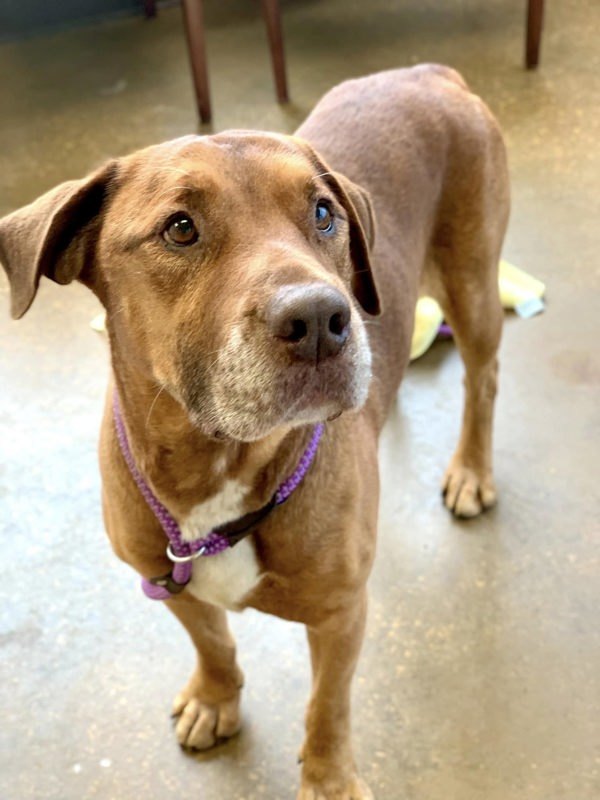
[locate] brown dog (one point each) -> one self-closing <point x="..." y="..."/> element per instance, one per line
<point x="234" y="269"/>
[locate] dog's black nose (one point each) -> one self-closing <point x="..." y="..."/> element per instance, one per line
<point x="313" y="320"/>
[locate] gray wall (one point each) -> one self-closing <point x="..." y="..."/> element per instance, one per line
<point x="20" y="18"/>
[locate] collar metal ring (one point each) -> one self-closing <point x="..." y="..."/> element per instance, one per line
<point x="184" y="559"/>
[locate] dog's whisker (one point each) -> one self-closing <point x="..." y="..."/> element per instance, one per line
<point x="320" y="175"/>
<point x="152" y="406"/>
<point x="179" y="170"/>
<point x="172" y="190"/>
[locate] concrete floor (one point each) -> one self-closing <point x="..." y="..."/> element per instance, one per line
<point x="480" y="678"/>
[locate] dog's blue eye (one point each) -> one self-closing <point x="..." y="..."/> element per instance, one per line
<point x="324" y="218"/>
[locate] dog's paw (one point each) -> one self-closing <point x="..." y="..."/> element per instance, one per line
<point x="354" y="789"/>
<point x="200" y="726"/>
<point x="466" y="492"/>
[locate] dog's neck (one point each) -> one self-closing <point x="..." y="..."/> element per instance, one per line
<point x="183" y="465"/>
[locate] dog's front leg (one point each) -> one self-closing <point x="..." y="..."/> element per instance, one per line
<point x="208" y="707"/>
<point x="328" y="769"/>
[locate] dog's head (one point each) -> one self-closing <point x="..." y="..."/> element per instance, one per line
<point x="231" y="268"/>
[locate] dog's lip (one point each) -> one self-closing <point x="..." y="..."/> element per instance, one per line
<point x="311" y="404"/>
<point x="333" y="393"/>
<point x="298" y="392"/>
<point x="321" y="381"/>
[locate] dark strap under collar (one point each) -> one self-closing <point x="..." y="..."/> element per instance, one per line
<point x="182" y="552"/>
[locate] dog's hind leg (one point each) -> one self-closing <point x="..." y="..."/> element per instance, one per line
<point x="207" y="709"/>
<point x="476" y="320"/>
<point x="464" y="268"/>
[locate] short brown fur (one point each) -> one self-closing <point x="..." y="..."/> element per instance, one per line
<point x="201" y="383"/>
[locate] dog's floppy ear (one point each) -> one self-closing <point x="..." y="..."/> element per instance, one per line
<point x="54" y="236"/>
<point x="357" y="204"/>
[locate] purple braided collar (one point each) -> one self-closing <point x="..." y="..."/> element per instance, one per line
<point x="181" y="552"/>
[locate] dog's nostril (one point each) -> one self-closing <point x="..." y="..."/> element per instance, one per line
<point x="313" y="320"/>
<point x="298" y="330"/>
<point x="337" y="324"/>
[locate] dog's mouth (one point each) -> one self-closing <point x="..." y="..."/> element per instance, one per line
<point x="257" y="384"/>
<point x="325" y="389"/>
<point x="248" y="404"/>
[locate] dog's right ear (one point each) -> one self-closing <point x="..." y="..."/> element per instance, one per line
<point x="54" y="236"/>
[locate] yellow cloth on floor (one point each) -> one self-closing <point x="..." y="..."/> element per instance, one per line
<point x="515" y="285"/>
<point x="428" y="318"/>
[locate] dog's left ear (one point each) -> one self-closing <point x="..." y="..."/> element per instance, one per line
<point x="357" y="204"/>
<point x="54" y="236"/>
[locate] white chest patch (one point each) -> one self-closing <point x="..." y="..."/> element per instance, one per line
<point x="224" y="579"/>
<point x="225" y="506"/>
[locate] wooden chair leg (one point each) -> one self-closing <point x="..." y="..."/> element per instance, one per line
<point x="272" y="15"/>
<point x="193" y="17"/>
<point x="535" y="18"/>
<point x="150" y="8"/>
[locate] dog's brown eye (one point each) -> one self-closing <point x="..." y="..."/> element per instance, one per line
<point x="324" y="218"/>
<point x="180" y="231"/>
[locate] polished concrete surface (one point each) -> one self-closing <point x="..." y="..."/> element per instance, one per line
<point x="480" y="677"/>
